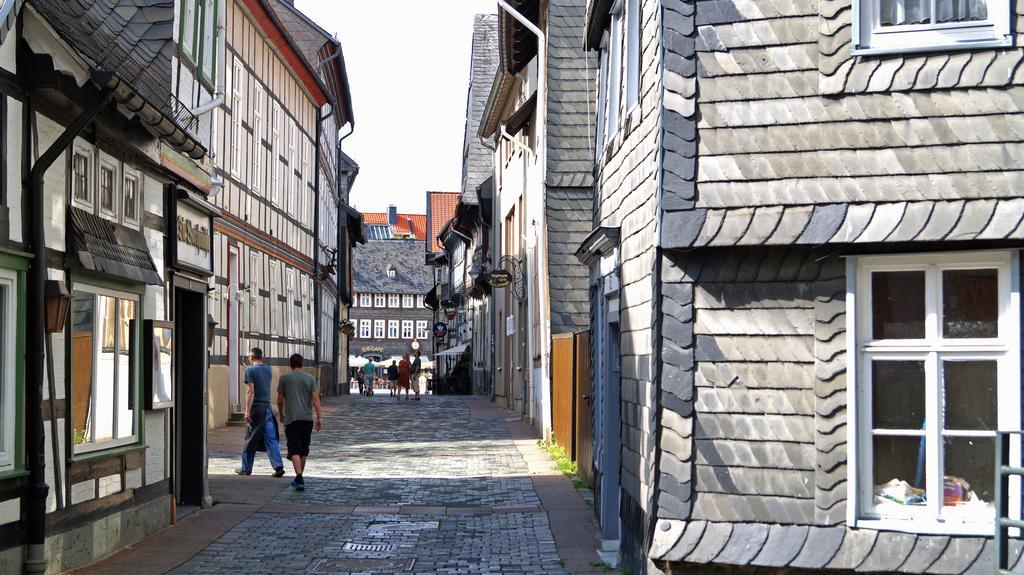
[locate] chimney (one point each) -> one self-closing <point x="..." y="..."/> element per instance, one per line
<point x="392" y="215"/>
<point x="412" y="231"/>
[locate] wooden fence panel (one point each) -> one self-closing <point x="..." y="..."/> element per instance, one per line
<point x="563" y="392"/>
<point x="584" y="421"/>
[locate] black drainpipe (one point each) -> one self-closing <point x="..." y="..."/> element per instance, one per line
<point x="35" y="334"/>
<point x="336" y="347"/>
<point x="316" y="245"/>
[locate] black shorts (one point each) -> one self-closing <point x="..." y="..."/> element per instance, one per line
<point x="298" y="433"/>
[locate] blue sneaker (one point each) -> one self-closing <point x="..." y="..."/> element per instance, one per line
<point x="298" y="486"/>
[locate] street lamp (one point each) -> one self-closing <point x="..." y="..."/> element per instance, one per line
<point x="58" y="302"/>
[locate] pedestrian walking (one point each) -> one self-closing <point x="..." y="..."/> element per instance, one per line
<point x="261" y="433"/>
<point x="415" y="373"/>
<point x="393" y="378"/>
<point x="297" y="398"/>
<point x="404" y="368"/>
<point x="367" y="386"/>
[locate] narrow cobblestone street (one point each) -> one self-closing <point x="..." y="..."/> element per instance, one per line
<point x="435" y="486"/>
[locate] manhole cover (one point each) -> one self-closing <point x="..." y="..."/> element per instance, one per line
<point x="362" y="565"/>
<point x="368" y="547"/>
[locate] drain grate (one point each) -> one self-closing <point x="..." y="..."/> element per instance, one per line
<point x="363" y="565"/>
<point x="368" y="547"/>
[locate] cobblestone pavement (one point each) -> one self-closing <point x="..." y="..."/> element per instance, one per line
<point x="417" y="486"/>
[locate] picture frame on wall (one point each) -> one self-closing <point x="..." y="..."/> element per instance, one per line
<point x="158" y="363"/>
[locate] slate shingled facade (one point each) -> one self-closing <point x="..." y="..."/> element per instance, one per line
<point x="774" y="160"/>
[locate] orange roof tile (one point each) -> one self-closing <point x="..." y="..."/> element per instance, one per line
<point x="402" y="221"/>
<point x="441" y="209"/>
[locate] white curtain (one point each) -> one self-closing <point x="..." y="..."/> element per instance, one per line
<point x="908" y="12"/>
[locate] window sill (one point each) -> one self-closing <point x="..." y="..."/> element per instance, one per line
<point x="981" y="528"/>
<point x="13" y="474"/>
<point x="107" y="449"/>
<point x="1004" y="42"/>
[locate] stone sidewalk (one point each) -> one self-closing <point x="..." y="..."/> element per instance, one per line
<point x="444" y="485"/>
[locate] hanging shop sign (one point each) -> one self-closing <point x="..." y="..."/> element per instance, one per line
<point x="440" y="329"/>
<point x="191" y="226"/>
<point x="500" y="278"/>
<point x="450" y="313"/>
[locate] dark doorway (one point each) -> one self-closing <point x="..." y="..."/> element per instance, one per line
<point x="189" y="416"/>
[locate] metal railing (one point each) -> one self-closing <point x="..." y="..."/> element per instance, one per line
<point x="1003" y="522"/>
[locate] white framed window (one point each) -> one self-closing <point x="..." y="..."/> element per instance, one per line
<point x="614" y="87"/>
<point x="365" y="300"/>
<point x="309" y="309"/>
<point x="108" y="191"/>
<point x="378" y="329"/>
<point x="304" y="186"/>
<point x="378" y="300"/>
<point x="130" y="196"/>
<point x="393" y="329"/>
<point x="103" y="349"/>
<point x="237" y="85"/>
<point x="289" y="177"/>
<point x="8" y="361"/>
<point x="275" y="304"/>
<point x="364" y="328"/>
<point x="419" y="301"/>
<point x="291" y="317"/>
<point x="407" y="300"/>
<point x="81" y="177"/>
<point x="275" y="151"/>
<point x="407" y="329"/>
<point x="256" y="182"/>
<point x="897" y="26"/>
<point x="936" y="341"/>
<point x="631" y="63"/>
<point x="254" y="291"/>
<point x="197" y="37"/>
<point x="393" y="300"/>
<point x="421" y="330"/>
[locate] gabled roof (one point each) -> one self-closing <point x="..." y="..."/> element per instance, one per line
<point x="370" y="262"/>
<point x="318" y="46"/>
<point x="415" y="224"/>
<point x="440" y="210"/>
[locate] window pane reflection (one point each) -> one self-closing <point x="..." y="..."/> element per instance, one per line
<point x="125" y="377"/>
<point x="82" y="318"/>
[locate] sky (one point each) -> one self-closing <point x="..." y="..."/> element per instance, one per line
<point x="408" y="69"/>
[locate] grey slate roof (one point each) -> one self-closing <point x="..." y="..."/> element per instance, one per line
<point x="863" y="550"/>
<point x="141" y="28"/>
<point x="572" y="94"/>
<point x="308" y="37"/>
<point x="477" y="159"/>
<point x="103" y="246"/>
<point x="569" y="223"/>
<point x="370" y="263"/>
<point x="922" y="221"/>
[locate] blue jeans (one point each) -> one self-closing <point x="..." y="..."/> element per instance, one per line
<point x="368" y="383"/>
<point x="270" y="440"/>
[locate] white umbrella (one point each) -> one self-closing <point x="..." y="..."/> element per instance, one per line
<point x="357" y="361"/>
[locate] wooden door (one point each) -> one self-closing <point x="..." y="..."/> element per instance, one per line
<point x="584" y="436"/>
<point x="563" y="393"/>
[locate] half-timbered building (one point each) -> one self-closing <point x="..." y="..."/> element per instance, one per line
<point x="805" y="275"/>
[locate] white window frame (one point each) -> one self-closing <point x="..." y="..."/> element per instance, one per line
<point x="237" y="82"/>
<point x="289" y="176"/>
<point x="304" y="180"/>
<point x="136" y="422"/>
<point x="379" y="300"/>
<point x="365" y="300"/>
<point x="256" y="181"/>
<point x="392" y="329"/>
<point x="108" y="163"/>
<point x="9" y="384"/>
<point x="364" y="328"/>
<point x="88" y="154"/>
<point x="392" y="300"/>
<point x="134" y="175"/>
<point x="407" y="332"/>
<point x="408" y="300"/>
<point x="614" y="88"/>
<point x="275" y="150"/>
<point x="602" y="96"/>
<point x="291" y="319"/>
<point x="275" y="305"/>
<point x="254" y="290"/>
<point x="871" y="38"/>
<point x="631" y="57"/>
<point x="422" y="330"/>
<point x="1005" y="349"/>
<point x="378" y="329"/>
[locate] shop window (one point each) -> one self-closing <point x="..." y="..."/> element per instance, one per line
<point x="421" y="330"/>
<point x="407" y="329"/>
<point x="103" y="352"/>
<point x="393" y="329"/>
<point x="938" y="371"/>
<point x="8" y="360"/>
<point x="895" y="26"/>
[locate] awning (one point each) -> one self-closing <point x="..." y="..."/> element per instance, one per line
<point x="357" y="361"/>
<point x="457" y="350"/>
<point x="106" y="247"/>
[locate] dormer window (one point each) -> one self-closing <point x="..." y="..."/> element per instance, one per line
<point x="392" y="272"/>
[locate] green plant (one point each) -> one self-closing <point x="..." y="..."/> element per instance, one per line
<point x="79" y="436"/>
